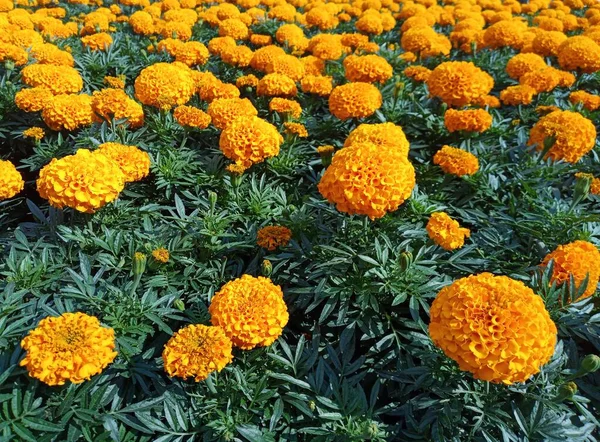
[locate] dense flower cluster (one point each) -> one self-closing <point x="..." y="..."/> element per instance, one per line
<point x="165" y="85"/>
<point x="446" y="232"/>
<point x="494" y="327"/>
<point x="471" y="120"/>
<point x="250" y="310"/>
<point x="354" y="100"/>
<point x="249" y="140"/>
<point x="272" y="237"/>
<point x="196" y="351"/>
<point x="456" y="161"/>
<point x="11" y="181"/>
<point x="459" y="83"/>
<point x="133" y="162"/>
<point x="72" y="347"/>
<point x="360" y="181"/>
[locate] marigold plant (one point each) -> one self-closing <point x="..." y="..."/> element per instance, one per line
<point x="459" y="83"/>
<point x="249" y="140"/>
<point x="456" y="161"/>
<point x="446" y="232"/>
<point x="11" y="181"/>
<point x="133" y="162"/>
<point x="272" y="237"/>
<point x="354" y="100"/>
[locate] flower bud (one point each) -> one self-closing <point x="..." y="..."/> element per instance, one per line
<point x="266" y="268"/>
<point x="179" y="305"/>
<point x="590" y="364"/>
<point x="406" y="259"/>
<point x="566" y="392"/>
<point x="212" y="199"/>
<point x="139" y="263"/>
<point x="312" y="405"/>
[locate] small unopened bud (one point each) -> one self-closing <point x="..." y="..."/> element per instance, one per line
<point x="139" y="263"/>
<point x="212" y="199"/>
<point x="406" y="259"/>
<point x="373" y="429"/>
<point x="590" y="364"/>
<point x="312" y="405"/>
<point x="9" y="65"/>
<point x="566" y="392"/>
<point x="266" y="268"/>
<point x="179" y="305"/>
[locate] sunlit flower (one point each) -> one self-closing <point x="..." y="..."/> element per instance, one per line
<point x="11" y="181"/>
<point x="456" y="161"/>
<point x="446" y="232"/>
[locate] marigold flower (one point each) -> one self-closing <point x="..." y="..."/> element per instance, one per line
<point x="425" y="42"/>
<point x="115" y="82"/>
<point x="579" y="53"/>
<point x="11" y="181"/>
<point x="165" y="84"/>
<point x="133" y="162"/>
<point x="72" y="347"/>
<point x="48" y="53"/>
<point x="142" y="23"/>
<point x="250" y="140"/>
<point x="317" y="84"/>
<point x="263" y="56"/>
<point x="522" y="64"/>
<point x="542" y="80"/>
<point x="112" y="103"/>
<point x="417" y="73"/>
<point x="261" y="40"/>
<point x="459" y="83"/>
<point x="594" y="184"/>
<point x="37" y="133"/>
<point x="579" y="259"/>
<point x="192" y="53"/>
<point x="574" y="135"/>
<point x="68" y="112"/>
<point x="234" y="28"/>
<point x="505" y="33"/>
<point x="240" y="56"/>
<point x="85" y="181"/>
<point x="547" y="43"/>
<point x="360" y="181"/>
<point x="367" y="69"/>
<point x="57" y="79"/>
<point x="250" y="310"/>
<point x="190" y="116"/>
<point x="471" y="120"/>
<point x="515" y="95"/>
<point x="354" y="100"/>
<point x="14" y="53"/>
<point x="589" y="101"/>
<point x="297" y="129"/>
<point x="197" y="351"/>
<point x="246" y="81"/>
<point x="287" y="65"/>
<point x="385" y="135"/>
<point x="272" y="237"/>
<point x="276" y="85"/>
<point x="286" y="107"/>
<point x="225" y="110"/>
<point x="33" y="99"/>
<point x="161" y="255"/>
<point x="97" y="42"/>
<point x="494" y="327"/>
<point x="446" y="232"/>
<point x="456" y="161"/>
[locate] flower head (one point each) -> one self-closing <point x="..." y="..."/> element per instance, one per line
<point x="459" y="83"/>
<point x="297" y="129"/>
<point x="68" y="112"/>
<point x="133" y="162"/>
<point x="57" y="79"/>
<point x="456" y="161"/>
<point x="494" y="327"/>
<point x="165" y="84"/>
<point x="37" y="133"/>
<point x="579" y="53"/>
<point x="385" y="135"/>
<point x="161" y="255"/>
<point x="354" y="100"/>
<point x="11" y="181"/>
<point x="225" y="110"/>
<point x="196" y="351"/>
<point x="470" y="120"/>
<point x="368" y="69"/>
<point x="190" y="116"/>
<point x="250" y="140"/>
<point x="446" y="232"/>
<point x="250" y="310"/>
<point x="271" y="237"/>
<point x="72" y="347"/>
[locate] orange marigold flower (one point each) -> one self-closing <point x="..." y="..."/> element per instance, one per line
<point x="579" y="53"/>
<point x="287" y="65"/>
<point x="14" y="53"/>
<point x="547" y="43"/>
<point x="488" y="100"/>
<point x="161" y="255"/>
<point x="295" y="129"/>
<point x="542" y="80"/>
<point x="97" y="42"/>
<point x="367" y="69"/>
<point x="276" y="85"/>
<point x="246" y="81"/>
<point x="11" y="181"/>
<point x="85" y="181"/>
<point x="317" y="84"/>
<point x="190" y="116"/>
<point x="142" y="23"/>
<point x="68" y="112"/>
<point x="37" y="133"/>
<point x="494" y="327"/>
<point x="471" y="120"/>
<point x="197" y="351"/>
<point x="456" y="161"/>
<point x="522" y="64"/>
<point x="272" y="237"/>
<point x="313" y="65"/>
<point x="163" y="84"/>
<point x="505" y="33"/>
<point x="417" y="73"/>
<point x="115" y="103"/>
<point x="261" y="40"/>
<point x="589" y="101"/>
<point x="225" y="110"/>
<point x="115" y="82"/>
<point x="520" y="94"/>
<point x="263" y="56"/>
<point x="240" y="56"/>
<point x="384" y="135"/>
<point x="580" y="260"/>
<point x="446" y="232"/>
<point x="360" y="181"/>
<point x="250" y="140"/>
<point x="354" y="100"/>
<point x="459" y="83"/>
<point x="57" y="79"/>
<point x="72" y="347"/>
<point x="33" y="99"/>
<point x="133" y="162"/>
<point x="234" y="28"/>
<point x="48" y="53"/>
<point x="192" y="53"/>
<point x="285" y="106"/>
<point x="573" y="134"/>
<point x="425" y="42"/>
<point x="250" y="310"/>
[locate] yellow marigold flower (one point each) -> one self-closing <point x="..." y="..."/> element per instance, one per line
<point x="161" y="255"/>
<point x="36" y="133"/>
<point x="417" y="73"/>
<point x="169" y="45"/>
<point x="272" y="237"/>
<point x="197" y="351"/>
<point x="11" y="182"/>
<point x="57" y="79"/>
<point x="542" y="80"/>
<point x="287" y="65"/>
<point x="589" y="101"/>
<point x="579" y="53"/>
<point x="425" y="42"/>
<point x="574" y="135"/>
<point x="456" y="161"/>
<point x="14" y="53"/>
<point x="217" y="45"/>
<point x="488" y="100"/>
<point x="263" y="56"/>
<point x="33" y="99"/>
<point x="72" y="347"/>
<point x="385" y="135"/>
<point x="579" y="259"/>
<point x="68" y="112"/>
<point x="85" y="181"/>
<point x="250" y="310"/>
<point x="446" y="232"/>
<point x="192" y="53"/>
<point x="409" y="57"/>
<point x="164" y="83"/>
<point x="354" y="100"/>
<point x="115" y="103"/>
<point x="360" y="181"/>
<point x="178" y="30"/>
<point x="370" y="24"/>
<point x="494" y="327"/>
<point x="234" y="28"/>
<point x="285" y="106"/>
<point x="505" y="33"/>
<point x="276" y="85"/>
<point x="325" y="150"/>
<point x="459" y="83"/>
<point x="97" y="42"/>
<point x="367" y="69"/>
<point x="115" y="82"/>
<point x="313" y="65"/>
<point x="261" y="40"/>
<point x="522" y="64"/>
<point x="134" y="163"/>
<point x="240" y="56"/>
<point x="295" y="129"/>
<point x="48" y="53"/>
<point x="190" y="116"/>
<point x="547" y="43"/>
<point x="250" y="140"/>
<point x="515" y="95"/>
<point x="225" y="110"/>
<point x="595" y="182"/>
<point x="246" y="81"/>
<point x="316" y="84"/>
<point x="329" y="48"/>
<point x="471" y="120"/>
